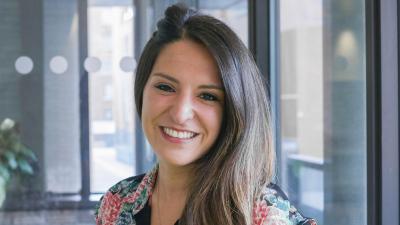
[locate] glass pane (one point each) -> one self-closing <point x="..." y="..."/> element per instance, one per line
<point x="39" y="91"/>
<point x="110" y="39"/>
<point x="232" y="12"/>
<point x="323" y="116"/>
<point x="61" y="93"/>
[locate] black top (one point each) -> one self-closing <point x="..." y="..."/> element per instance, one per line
<point x="143" y="217"/>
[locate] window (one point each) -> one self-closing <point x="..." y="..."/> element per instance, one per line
<point x="322" y="95"/>
<point x="66" y="77"/>
<point x="233" y="13"/>
<point x="112" y="143"/>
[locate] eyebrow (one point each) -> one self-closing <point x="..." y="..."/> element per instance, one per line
<point x="166" y="77"/>
<point x="204" y="86"/>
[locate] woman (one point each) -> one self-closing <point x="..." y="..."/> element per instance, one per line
<point x="204" y="110"/>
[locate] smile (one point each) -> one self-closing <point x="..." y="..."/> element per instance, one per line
<point x="178" y="134"/>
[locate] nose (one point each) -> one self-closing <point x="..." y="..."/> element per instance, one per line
<point x="182" y="109"/>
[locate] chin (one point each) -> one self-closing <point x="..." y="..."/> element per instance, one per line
<point x="177" y="161"/>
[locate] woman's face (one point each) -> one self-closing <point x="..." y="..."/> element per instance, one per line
<point x="183" y="103"/>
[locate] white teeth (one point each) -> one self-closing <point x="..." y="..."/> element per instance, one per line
<point x="178" y="134"/>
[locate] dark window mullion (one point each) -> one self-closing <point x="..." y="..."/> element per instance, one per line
<point x="264" y="44"/>
<point x="84" y="102"/>
<point x="382" y="112"/>
<point x="373" y="113"/>
<point x="260" y="40"/>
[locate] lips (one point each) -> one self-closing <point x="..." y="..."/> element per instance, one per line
<point x="178" y="134"/>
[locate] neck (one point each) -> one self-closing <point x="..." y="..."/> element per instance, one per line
<point x="170" y="193"/>
<point x="174" y="181"/>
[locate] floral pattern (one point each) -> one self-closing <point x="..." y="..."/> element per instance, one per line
<point x="128" y="197"/>
<point x="274" y="209"/>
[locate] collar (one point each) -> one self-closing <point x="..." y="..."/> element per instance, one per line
<point x="143" y="191"/>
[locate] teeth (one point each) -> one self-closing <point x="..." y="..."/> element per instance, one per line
<point x="178" y="134"/>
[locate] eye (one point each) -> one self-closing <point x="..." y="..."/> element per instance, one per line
<point x="164" y="87"/>
<point x="208" y="97"/>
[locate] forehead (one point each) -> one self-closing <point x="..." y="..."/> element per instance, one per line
<point x="187" y="58"/>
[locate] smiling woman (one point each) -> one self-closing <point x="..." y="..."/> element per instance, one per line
<point x="181" y="114"/>
<point x="204" y="109"/>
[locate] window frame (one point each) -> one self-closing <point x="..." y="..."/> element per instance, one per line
<point x="84" y="103"/>
<point x="382" y="26"/>
<point x="382" y="70"/>
<point x="382" y="60"/>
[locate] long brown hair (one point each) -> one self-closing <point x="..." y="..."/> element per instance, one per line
<point x="241" y="162"/>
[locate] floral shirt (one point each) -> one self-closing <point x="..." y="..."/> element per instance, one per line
<point x="126" y="203"/>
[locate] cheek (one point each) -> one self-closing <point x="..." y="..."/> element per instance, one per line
<point x="145" y="102"/>
<point x="150" y="105"/>
<point x="213" y="118"/>
<point x="153" y="103"/>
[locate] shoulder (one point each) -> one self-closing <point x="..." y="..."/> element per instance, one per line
<point x="126" y="186"/>
<point x="112" y="201"/>
<point x="274" y="207"/>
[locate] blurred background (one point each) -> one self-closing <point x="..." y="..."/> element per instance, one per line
<point x="69" y="128"/>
